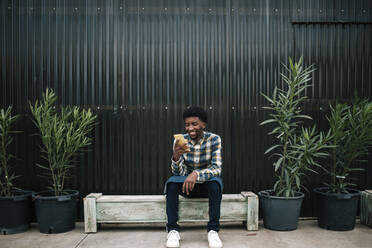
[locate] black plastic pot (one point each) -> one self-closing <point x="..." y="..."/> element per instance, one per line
<point x="15" y="212"/>
<point x="56" y="214"/>
<point x="280" y="213"/>
<point x="337" y="211"/>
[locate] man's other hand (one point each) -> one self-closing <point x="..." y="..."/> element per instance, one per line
<point x="189" y="183"/>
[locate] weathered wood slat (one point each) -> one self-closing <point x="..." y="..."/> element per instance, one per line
<point x="130" y="211"/>
<point x="90" y="220"/>
<point x="164" y="221"/>
<point x="132" y="198"/>
<point x="100" y="208"/>
<point x="252" y="211"/>
<point x="94" y="195"/>
<point x="366" y="208"/>
<point x="161" y="198"/>
<point x="199" y="210"/>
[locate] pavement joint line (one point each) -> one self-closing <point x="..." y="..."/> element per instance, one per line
<point x="78" y="244"/>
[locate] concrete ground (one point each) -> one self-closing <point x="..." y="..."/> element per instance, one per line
<point x="308" y="235"/>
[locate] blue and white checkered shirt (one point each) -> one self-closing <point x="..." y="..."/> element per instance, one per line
<point x="204" y="158"/>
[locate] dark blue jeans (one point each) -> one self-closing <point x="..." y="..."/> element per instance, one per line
<point x="210" y="190"/>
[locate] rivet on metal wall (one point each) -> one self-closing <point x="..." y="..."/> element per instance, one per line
<point x="254" y="10"/>
<point x="210" y="107"/>
<point x="364" y="11"/>
<point x="276" y="10"/>
<point x="98" y="9"/>
<point x="166" y="107"/>
<point x="9" y="7"/>
<point x="121" y="107"/>
<point x="143" y="8"/>
<point x="188" y="9"/>
<point x="98" y="107"/>
<point x="254" y="107"/>
<point x="232" y="9"/>
<point x="298" y="10"/>
<point x="232" y="107"/>
<point x="342" y="11"/>
<point x="76" y="9"/>
<point x="320" y="108"/>
<point x="121" y="7"/>
<point x="54" y="9"/>
<point x="165" y="9"/>
<point x="320" y="11"/>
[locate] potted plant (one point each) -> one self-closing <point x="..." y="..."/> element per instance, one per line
<point x="63" y="134"/>
<point x="296" y="150"/>
<point x="351" y="129"/>
<point x="15" y="204"/>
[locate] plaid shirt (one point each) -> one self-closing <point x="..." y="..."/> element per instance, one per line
<point x="204" y="158"/>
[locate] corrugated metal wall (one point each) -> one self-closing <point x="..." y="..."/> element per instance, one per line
<point x="140" y="63"/>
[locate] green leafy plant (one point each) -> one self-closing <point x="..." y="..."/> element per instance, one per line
<point x="351" y="128"/>
<point x="6" y="175"/>
<point x="63" y="135"/>
<point x="298" y="147"/>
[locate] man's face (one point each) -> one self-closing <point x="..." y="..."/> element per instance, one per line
<point x="194" y="127"/>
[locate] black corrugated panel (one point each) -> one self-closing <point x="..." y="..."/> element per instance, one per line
<point x="139" y="63"/>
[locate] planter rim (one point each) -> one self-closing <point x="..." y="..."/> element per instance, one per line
<point x="320" y="190"/>
<point x="50" y="196"/>
<point x="19" y="195"/>
<point x="266" y="193"/>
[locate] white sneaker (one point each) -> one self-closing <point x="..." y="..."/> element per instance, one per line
<point x="173" y="239"/>
<point x="214" y="240"/>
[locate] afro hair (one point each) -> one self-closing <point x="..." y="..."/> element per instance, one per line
<point x="195" y="112"/>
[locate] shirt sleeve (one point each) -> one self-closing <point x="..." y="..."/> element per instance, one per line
<point x="214" y="169"/>
<point x="178" y="167"/>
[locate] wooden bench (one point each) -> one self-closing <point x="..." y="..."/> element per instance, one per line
<point x="100" y="208"/>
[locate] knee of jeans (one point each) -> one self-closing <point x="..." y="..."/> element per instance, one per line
<point x="214" y="187"/>
<point x="171" y="187"/>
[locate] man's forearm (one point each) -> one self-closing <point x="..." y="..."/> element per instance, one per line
<point x="206" y="174"/>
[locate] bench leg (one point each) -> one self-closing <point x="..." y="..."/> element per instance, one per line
<point x="90" y="213"/>
<point x="252" y="211"/>
<point x="366" y="208"/>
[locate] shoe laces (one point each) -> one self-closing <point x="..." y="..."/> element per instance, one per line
<point x="173" y="235"/>
<point x="214" y="236"/>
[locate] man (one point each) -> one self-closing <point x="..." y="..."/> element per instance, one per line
<point x="196" y="167"/>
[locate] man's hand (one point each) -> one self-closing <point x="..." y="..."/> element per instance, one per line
<point x="179" y="150"/>
<point x="189" y="183"/>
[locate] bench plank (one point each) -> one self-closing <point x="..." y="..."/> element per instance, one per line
<point x="131" y="198"/>
<point x="161" y="198"/>
<point x="199" y="210"/>
<point x="131" y="211"/>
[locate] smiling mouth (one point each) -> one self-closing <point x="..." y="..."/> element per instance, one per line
<point x="192" y="133"/>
